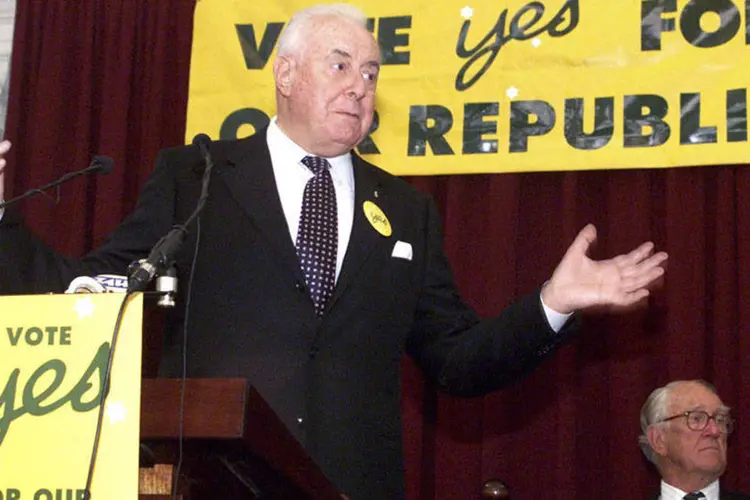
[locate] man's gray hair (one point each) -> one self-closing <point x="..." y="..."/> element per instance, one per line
<point x="292" y="40"/>
<point x="656" y="409"/>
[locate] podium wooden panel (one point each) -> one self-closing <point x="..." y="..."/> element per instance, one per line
<point x="234" y="445"/>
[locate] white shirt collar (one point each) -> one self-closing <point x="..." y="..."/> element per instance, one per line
<point x="289" y="152"/>
<point x="669" y="492"/>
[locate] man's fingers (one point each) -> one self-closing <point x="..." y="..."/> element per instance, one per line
<point x="639" y="260"/>
<point x="644" y="266"/>
<point x="635" y="256"/>
<point x="4" y="148"/>
<point x="640" y="280"/>
<point x="628" y="303"/>
<point x="634" y="297"/>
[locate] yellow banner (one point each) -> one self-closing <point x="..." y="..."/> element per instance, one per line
<point x="53" y="356"/>
<point x="510" y="86"/>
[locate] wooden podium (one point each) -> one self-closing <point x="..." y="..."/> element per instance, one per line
<point x="233" y="444"/>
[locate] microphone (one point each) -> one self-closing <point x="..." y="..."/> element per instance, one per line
<point x="100" y="164"/>
<point x="203" y="141"/>
<point x="141" y="273"/>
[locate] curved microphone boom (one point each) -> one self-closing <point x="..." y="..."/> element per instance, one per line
<point x="100" y="164"/>
<point x="162" y="254"/>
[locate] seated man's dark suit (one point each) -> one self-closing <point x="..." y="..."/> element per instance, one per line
<point x="334" y="381"/>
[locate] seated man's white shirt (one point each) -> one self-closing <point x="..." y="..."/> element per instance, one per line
<point x="669" y="492"/>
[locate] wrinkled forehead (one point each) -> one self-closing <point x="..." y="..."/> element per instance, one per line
<point x="694" y="396"/>
<point x="325" y="35"/>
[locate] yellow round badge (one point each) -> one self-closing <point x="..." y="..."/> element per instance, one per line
<point x="377" y="218"/>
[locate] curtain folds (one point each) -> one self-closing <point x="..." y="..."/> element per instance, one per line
<point x="97" y="77"/>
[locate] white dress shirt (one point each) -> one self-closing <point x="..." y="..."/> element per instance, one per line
<point x="669" y="492"/>
<point x="292" y="176"/>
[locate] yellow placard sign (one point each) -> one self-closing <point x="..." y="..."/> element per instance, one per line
<point x="508" y="86"/>
<point x="377" y="218"/>
<point x="53" y="357"/>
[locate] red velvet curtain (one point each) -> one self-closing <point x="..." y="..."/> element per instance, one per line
<point x="101" y="77"/>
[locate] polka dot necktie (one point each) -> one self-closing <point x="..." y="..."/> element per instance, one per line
<point x="317" y="237"/>
<point x="694" y="496"/>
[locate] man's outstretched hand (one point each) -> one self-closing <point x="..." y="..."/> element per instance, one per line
<point x="4" y="148"/>
<point x="580" y="282"/>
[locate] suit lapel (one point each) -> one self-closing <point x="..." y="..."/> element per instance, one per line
<point x="364" y="239"/>
<point x="252" y="184"/>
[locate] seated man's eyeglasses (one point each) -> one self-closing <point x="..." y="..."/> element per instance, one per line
<point x="697" y="420"/>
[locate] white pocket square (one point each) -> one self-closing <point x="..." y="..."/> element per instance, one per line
<point x="402" y="250"/>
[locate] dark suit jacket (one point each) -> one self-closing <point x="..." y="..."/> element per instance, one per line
<point x="335" y="381"/>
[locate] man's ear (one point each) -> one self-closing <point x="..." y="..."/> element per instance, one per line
<point x="656" y="438"/>
<point x="284" y="69"/>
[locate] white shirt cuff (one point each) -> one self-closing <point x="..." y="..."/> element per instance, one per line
<point x="555" y="319"/>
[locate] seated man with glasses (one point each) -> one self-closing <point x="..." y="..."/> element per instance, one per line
<point x="685" y="427"/>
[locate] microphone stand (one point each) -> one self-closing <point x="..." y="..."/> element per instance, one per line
<point x="162" y="255"/>
<point x="100" y="164"/>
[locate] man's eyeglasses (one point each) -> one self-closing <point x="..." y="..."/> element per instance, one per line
<point x="697" y="420"/>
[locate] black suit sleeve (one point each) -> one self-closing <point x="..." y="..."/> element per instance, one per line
<point x="463" y="354"/>
<point x="28" y="265"/>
